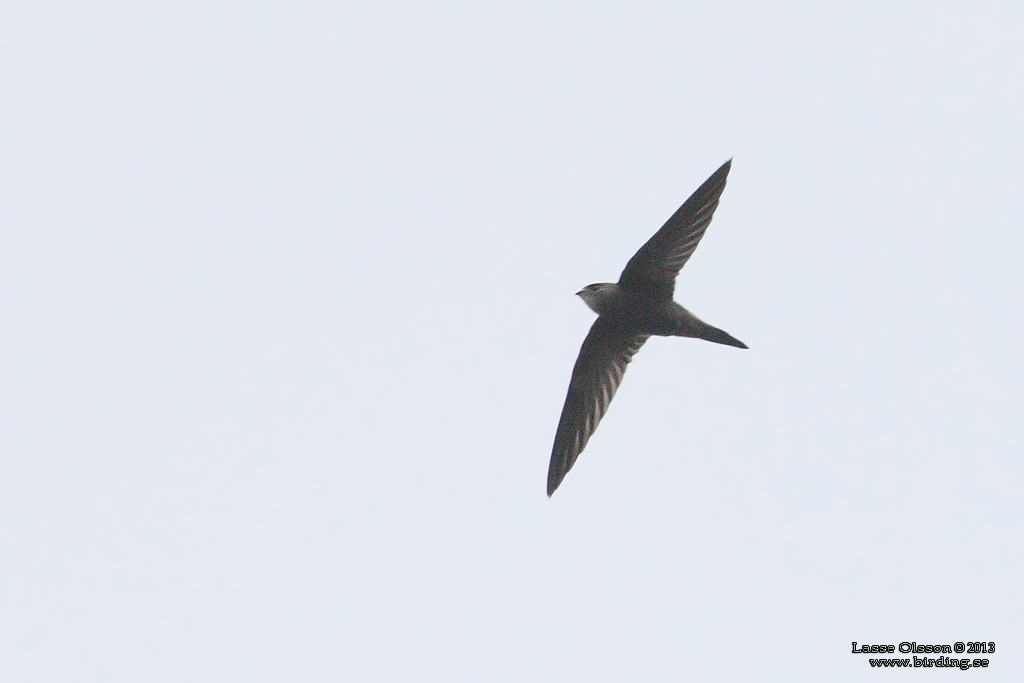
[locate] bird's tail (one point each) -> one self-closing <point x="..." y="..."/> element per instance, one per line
<point x="713" y="334"/>
<point x="689" y="325"/>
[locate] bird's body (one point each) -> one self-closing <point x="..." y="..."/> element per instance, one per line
<point x="637" y="307"/>
<point x="642" y="315"/>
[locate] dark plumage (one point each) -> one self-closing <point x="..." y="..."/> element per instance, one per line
<point x="629" y="313"/>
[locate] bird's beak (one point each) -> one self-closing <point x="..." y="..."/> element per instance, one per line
<point x="580" y="293"/>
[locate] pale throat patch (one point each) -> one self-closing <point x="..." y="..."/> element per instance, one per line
<point x="601" y="298"/>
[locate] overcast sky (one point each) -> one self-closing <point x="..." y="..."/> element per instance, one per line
<point x="287" y="320"/>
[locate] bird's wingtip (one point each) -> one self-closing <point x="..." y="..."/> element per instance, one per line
<point x="552" y="487"/>
<point x="554" y="481"/>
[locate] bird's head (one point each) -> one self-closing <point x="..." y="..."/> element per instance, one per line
<point x="599" y="297"/>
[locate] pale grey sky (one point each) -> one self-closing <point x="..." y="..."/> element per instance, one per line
<point x="287" y="320"/>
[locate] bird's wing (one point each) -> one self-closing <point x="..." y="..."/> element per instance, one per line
<point x="598" y="372"/>
<point x="653" y="269"/>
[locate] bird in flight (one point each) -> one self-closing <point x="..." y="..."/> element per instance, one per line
<point x="629" y="311"/>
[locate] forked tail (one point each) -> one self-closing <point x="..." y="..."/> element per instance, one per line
<point x="689" y="325"/>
